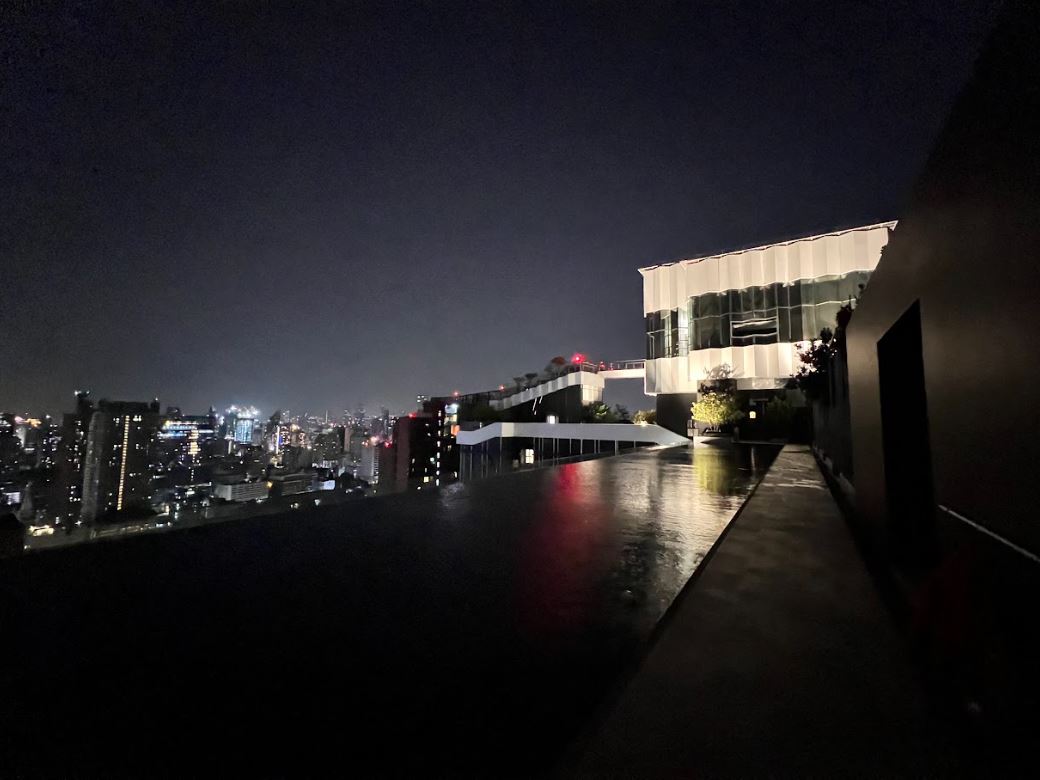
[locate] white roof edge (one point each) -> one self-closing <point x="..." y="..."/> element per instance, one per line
<point x="888" y="223"/>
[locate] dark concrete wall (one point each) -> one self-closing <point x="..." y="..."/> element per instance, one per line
<point x="673" y="411"/>
<point x="968" y="250"/>
<point x="565" y="404"/>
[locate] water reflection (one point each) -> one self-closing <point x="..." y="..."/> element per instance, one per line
<point x="502" y="610"/>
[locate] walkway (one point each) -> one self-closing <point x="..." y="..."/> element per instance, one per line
<point x="777" y="659"/>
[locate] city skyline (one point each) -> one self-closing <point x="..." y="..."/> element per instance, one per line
<point x="312" y="205"/>
<point x="567" y="389"/>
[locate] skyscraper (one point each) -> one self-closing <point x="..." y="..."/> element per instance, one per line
<point x="116" y="471"/>
<point x="68" y="496"/>
<point x="411" y="461"/>
<point x="368" y="469"/>
<point x="241" y="423"/>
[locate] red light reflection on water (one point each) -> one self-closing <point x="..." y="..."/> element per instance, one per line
<point x="562" y="560"/>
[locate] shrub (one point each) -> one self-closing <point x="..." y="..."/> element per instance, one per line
<point x="715" y="410"/>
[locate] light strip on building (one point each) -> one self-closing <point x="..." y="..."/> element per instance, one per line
<point x="122" y="462"/>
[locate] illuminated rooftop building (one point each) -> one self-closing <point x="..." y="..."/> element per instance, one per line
<point x="748" y="310"/>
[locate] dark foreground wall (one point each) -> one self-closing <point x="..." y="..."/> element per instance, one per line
<point x="944" y="384"/>
<point x="673" y="411"/>
<point x="967" y="253"/>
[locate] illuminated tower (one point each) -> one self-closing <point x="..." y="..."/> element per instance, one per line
<point x="117" y="468"/>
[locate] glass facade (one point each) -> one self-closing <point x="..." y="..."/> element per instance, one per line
<point x="770" y="314"/>
<point x="667" y="333"/>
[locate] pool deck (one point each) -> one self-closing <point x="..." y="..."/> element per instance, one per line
<point x="777" y="659"/>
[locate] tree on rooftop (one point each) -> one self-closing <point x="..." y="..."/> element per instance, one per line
<point x="598" y="412"/>
<point x="715" y="410"/>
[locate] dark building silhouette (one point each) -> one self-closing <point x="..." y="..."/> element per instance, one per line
<point x="943" y="374"/>
<point x="187" y="446"/>
<point x="411" y="460"/>
<point x="67" y="500"/>
<point x="117" y="464"/>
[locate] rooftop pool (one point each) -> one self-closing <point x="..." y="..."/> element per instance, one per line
<point x="477" y="628"/>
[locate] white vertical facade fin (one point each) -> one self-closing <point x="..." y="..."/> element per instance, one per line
<point x="670" y="286"/>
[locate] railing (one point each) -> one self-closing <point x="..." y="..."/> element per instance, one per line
<point x="644" y="434"/>
<point x="623" y="365"/>
<point x="540" y="379"/>
<point x="678" y="348"/>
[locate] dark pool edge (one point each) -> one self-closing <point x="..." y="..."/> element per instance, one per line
<point x="566" y="764"/>
<point x="283" y="512"/>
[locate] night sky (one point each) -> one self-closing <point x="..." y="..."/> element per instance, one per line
<point x="315" y="206"/>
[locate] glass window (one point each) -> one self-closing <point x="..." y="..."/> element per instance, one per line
<point x="753" y="326"/>
<point x="716" y="333"/>
<point x="747" y="300"/>
<point x="709" y="305"/>
<point x="794" y="295"/>
<point x="770" y="295"/>
<point x="783" y="318"/>
<point x="807" y="290"/>
<point x="827" y="315"/>
<point x="827" y="290"/>
<point x="706" y="333"/>
<point x="848" y="285"/>
<point x="795" y="324"/>
<point x="733" y="298"/>
<point x="809" y="330"/>
<point x="758" y="297"/>
<point x="724" y="330"/>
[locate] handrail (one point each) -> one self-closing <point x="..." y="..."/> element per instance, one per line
<point x="510" y="390"/>
<point x="981" y="528"/>
<point x="646" y="434"/>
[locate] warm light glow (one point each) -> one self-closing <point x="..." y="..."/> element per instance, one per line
<point x="752" y="414"/>
<point x="122" y="464"/>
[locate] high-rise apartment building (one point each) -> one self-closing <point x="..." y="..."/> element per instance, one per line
<point x="117" y="463"/>
<point x="187" y="442"/>
<point x="241" y="424"/>
<point x="368" y="469"/>
<point x="411" y="461"/>
<point x="67" y="500"/>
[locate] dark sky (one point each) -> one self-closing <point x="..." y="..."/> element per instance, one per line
<point x="310" y="205"/>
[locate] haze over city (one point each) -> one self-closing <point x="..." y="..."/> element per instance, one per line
<point x="534" y="389"/>
<point x="313" y="206"/>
